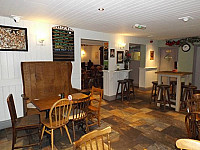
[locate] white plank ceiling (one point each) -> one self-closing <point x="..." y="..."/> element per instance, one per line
<point x="160" y="16"/>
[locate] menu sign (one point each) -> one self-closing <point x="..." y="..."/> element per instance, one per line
<point x="63" y="43"/>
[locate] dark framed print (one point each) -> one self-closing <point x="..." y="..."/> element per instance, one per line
<point x="120" y="56"/>
<point x="13" y="38"/>
<point x="151" y="55"/>
<point x="112" y="52"/>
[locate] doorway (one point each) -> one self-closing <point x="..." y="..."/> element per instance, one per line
<point x="168" y="58"/>
<point x="134" y="65"/>
<point x="196" y="68"/>
<point x="93" y="60"/>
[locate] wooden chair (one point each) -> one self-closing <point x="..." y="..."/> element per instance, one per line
<point x="23" y="123"/>
<point x="97" y="139"/>
<point x="94" y="110"/>
<point x="79" y="113"/>
<point x="58" y="118"/>
<point x="193" y="105"/>
<point x="188" y="144"/>
<point x="192" y="124"/>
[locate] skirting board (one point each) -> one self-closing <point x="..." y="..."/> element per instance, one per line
<point x="145" y="89"/>
<point x="109" y="98"/>
<point x="5" y="124"/>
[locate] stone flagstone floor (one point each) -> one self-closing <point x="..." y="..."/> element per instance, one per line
<point x="136" y="125"/>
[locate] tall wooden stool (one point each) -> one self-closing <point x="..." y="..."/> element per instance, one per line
<point x="173" y="91"/>
<point x="130" y="88"/>
<point x="153" y="91"/>
<point x="163" y="93"/>
<point x="124" y="89"/>
<point x="187" y="94"/>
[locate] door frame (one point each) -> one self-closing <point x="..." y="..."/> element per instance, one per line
<point x="194" y="62"/>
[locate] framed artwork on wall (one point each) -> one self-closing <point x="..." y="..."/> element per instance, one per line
<point x="120" y="56"/>
<point x="112" y="52"/>
<point x="13" y="38"/>
<point x="151" y="55"/>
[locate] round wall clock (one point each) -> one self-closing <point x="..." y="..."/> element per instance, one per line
<point x="186" y="47"/>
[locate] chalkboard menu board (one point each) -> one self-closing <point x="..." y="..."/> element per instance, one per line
<point x="63" y="43"/>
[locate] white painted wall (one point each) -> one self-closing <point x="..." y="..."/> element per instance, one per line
<point x="91" y="53"/>
<point x="10" y="70"/>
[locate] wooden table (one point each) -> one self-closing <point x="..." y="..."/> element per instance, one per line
<point x="45" y="104"/>
<point x="177" y="75"/>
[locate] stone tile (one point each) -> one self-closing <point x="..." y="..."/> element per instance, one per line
<point x="6" y="145"/>
<point x="146" y="110"/>
<point x="175" y="132"/>
<point x="158" y="146"/>
<point x="108" y="107"/>
<point x="135" y="125"/>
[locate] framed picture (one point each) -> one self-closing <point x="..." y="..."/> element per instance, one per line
<point x="112" y="52"/>
<point x="120" y="56"/>
<point x="151" y="55"/>
<point x="13" y="39"/>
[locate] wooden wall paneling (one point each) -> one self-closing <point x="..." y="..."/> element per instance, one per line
<point x="6" y="92"/>
<point x="32" y="83"/>
<point x="18" y="92"/>
<point x="40" y="79"/>
<point x="4" y="66"/>
<point x="59" y="82"/>
<point x="16" y="65"/>
<point x="47" y="79"/>
<point x="10" y="65"/>
<point x="2" y="115"/>
<point x="50" y="82"/>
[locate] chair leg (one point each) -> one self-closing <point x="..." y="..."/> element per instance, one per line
<point x="99" y="119"/>
<point x="61" y="131"/>
<point x="42" y="132"/>
<point x="39" y="136"/>
<point x="117" y="91"/>
<point x="168" y="96"/>
<point x="68" y="134"/>
<point x="13" y="139"/>
<point x="86" y="124"/>
<point x="52" y="139"/>
<point x="73" y="129"/>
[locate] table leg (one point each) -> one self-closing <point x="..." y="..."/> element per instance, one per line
<point x="159" y="82"/>
<point x="47" y="113"/>
<point x="178" y="93"/>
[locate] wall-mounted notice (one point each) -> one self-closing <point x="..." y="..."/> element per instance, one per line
<point x="63" y="43"/>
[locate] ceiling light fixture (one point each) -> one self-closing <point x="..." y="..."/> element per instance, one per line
<point x="185" y="19"/>
<point x="140" y="26"/>
<point x="101" y="9"/>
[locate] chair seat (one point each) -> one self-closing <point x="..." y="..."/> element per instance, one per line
<point x="92" y="108"/>
<point x="28" y="121"/>
<point x="46" y="122"/>
<point x="188" y="144"/>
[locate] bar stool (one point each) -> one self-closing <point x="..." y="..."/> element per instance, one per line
<point x="124" y="89"/>
<point x="187" y="94"/>
<point x="163" y="93"/>
<point x="173" y="91"/>
<point x="130" y="88"/>
<point x="153" y="91"/>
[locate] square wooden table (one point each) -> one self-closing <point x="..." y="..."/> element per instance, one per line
<point x="178" y="76"/>
<point x="45" y="104"/>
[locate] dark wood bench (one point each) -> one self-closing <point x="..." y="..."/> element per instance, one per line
<point x="45" y="79"/>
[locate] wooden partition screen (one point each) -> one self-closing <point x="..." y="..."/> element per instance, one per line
<point x="46" y="79"/>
